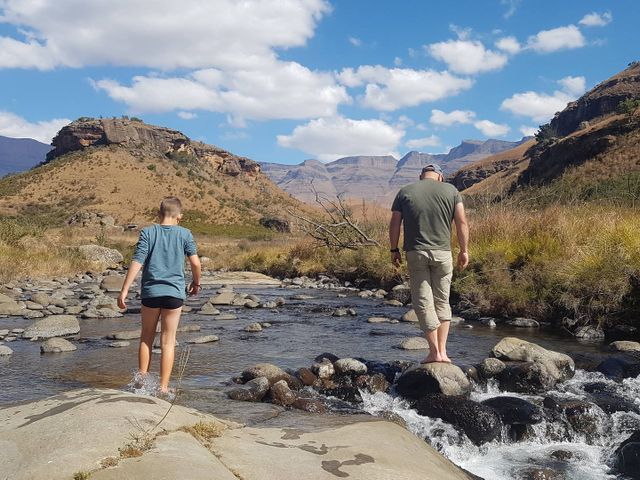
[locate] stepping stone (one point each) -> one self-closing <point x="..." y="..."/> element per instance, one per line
<point x="204" y="339"/>
<point x="414" y="343"/>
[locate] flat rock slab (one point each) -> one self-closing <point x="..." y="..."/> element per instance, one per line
<point x="376" y="450"/>
<point x="53" y="326"/>
<point x="177" y="455"/>
<point x="59" y="436"/>
<point x="414" y="343"/>
<point x="240" y="278"/>
<point x="204" y="339"/>
<point x="125" y="335"/>
<point x="57" y="345"/>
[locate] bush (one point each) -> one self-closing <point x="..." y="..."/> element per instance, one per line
<point x="628" y="106"/>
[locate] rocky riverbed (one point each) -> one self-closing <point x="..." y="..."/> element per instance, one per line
<point x="549" y="405"/>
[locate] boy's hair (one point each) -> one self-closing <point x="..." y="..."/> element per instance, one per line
<point x="170" y="207"/>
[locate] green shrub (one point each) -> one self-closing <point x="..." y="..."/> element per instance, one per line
<point x="628" y="106"/>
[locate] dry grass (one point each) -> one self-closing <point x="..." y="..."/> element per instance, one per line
<point x="140" y="443"/>
<point x="108" y="462"/>
<point x="204" y="432"/>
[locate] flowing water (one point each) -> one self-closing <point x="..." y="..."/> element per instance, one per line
<point x="301" y="330"/>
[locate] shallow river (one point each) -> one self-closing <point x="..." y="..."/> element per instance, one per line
<point x="298" y="335"/>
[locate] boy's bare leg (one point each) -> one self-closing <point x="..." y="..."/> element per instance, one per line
<point x="443" y="333"/>
<point x="170" y="320"/>
<point x="149" y="322"/>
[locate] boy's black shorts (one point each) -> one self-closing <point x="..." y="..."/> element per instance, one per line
<point x="168" y="303"/>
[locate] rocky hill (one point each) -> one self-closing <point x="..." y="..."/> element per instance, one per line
<point x="123" y="167"/>
<point x="373" y="178"/>
<point x="20" y="154"/>
<point x="592" y="140"/>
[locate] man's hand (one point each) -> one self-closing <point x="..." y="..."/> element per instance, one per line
<point x="396" y="259"/>
<point x="194" y="289"/>
<point x="463" y="260"/>
<point x="122" y="300"/>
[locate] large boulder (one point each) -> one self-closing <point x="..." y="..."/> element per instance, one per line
<point x="491" y="367"/>
<point x="99" y="254"/>
<point x="479" y="422"/>
<point x="349" y="366"/>
<point x="619" y="367"/>
<point x="57" y="345"/>
<point x="628" y="456"/>
<point x="624" y="346"/>
<point x="526" y="377"/>
<point x="281" y="394"/>
<point x="429" y="378"/>
<point x="515" y="411"/>
<point x="272" y="373"/>
<point x="560" y="366"/>
<point x="53" y="326"/>
<point x="8" y="306"/>
<point x="112" y="283"/>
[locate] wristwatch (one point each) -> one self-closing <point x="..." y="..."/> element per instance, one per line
<point x="395" y="250"/>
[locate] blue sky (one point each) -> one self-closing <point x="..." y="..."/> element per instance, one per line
<point x="286" y="80"/>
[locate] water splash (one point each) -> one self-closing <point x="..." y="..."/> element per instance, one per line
<point x="144" y="384"/>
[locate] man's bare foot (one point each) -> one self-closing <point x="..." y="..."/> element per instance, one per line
<point x="445" y="359"/>
<point x="432" y="358"/>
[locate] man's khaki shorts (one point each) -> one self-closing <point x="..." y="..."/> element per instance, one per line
<point x="430" y="273"/>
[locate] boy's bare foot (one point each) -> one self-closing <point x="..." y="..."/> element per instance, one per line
<point x="139" y="379"/>
<point x="166" y="393"/>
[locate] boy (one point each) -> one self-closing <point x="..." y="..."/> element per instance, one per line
<point x="160" y="254"/>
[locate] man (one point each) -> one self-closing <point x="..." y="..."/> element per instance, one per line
<point x="427" y="208"/>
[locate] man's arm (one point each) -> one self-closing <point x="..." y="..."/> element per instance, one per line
<point x="462" y="232"/>
<point x="196" y="274"/>
<point x="394" y="236"/>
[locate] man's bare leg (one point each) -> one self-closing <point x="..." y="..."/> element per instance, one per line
<point x="170" y="320"/>
<point x="149" y="322"/>
<point x="434" y="351"/>
<point x="443" y="334"/>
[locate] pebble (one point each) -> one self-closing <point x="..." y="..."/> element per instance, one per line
<point x="253" y="327"/>
<point x="120" y="344"/>
<point x="393" y="303"/>
<point x="378" y="320"/>
<point x="414" y="343"/>
<point x="204" y="339"/>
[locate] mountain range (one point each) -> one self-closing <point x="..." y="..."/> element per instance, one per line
<point x="374" y="178"/>
<point x="19" y="154"/>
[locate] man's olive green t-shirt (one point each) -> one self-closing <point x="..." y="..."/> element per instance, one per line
<point x="427" y="208"/>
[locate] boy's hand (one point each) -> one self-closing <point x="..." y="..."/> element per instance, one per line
<point x="122" y="299"/>
<point x="194" y="289"/>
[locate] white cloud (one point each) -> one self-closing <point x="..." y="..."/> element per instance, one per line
<point x="12" y="125"/>
<point x="528" y="131"/>
<point x="279" y="90"/>
<point x="509" y="45"/>
<point x="187" y="115"/>
<point x="438" y="117"/>
<point x="540" y="107"/>
<point x="561" y="38"/>
<point x="390" y="89"/>
<point x="513" y="6"/>
<point x="491" y="129"/>
<point x="222" y="33"/>
<point x="420" y="143"/>
<point x="397" y="61"/>
<point x="594" y="19"/>
<point x="356" y="42"/>
<point x="466" y="56"/>
<point x="330" y="138"/>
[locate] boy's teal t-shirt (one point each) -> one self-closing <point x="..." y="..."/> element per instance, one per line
<point x="161" y="250"/>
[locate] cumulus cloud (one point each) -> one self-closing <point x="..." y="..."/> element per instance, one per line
<point x="279" y="90"/>
<point x="330" y="138"/>
<point x="466" y="56"/>
<point x="491" y="129"/>
<point x="509" y="45"/>
<point x="443" y="119"/>
<point x="389" y="89"/>
<point x="420" y="143"/>
<point x="540" y="107"/>
<point x="594" y="19"/>
<point x="12" y="125"/>
<point x="222" y="33"/>
<point x="561" y="38"/>
<point x="528" y="131"/>
<point x="512" y="6"/>
<point x="187" y="115"/>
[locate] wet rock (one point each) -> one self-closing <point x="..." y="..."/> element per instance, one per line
<point x="526" y="377"/>
<point x="588" y="332"/>
<point x="373" y="383"/>
<point x="310" y="405"/>
<point x="252" y="391"/>
<point x="53" y="326"/>
<point x="112" y="283"/>
<point x="226" y="316"/>
<point x="208" y="309"/>
<point x="306" y="376"/>
<point x="558" y="365"/>
<point x="522" y="322"/>
<point x="535" y="473"/>
<point x="401" y="293"/>
<point x="5" y="351"/>
<point x="204" y="339"/>
<point x="562" y="455"/>
<point x="388" y="370"/>
<point x="378" y="320"/>
<point x="323" y="369"/>
<point x="429" y="378"/>
<point x="53" y="310"/>
<point x="281" y="394"/>
<point x="611" y="403"/>
<point x="4" y="331"/>
<point x="253" y="327"/>
<point x="266" y="325"/>
<point x="579" y="414"/>
<point x="302" y="297"/>
<point x="410" y="316"/>
<point x="624" y="346"/>
<point x="627" y="456"/>
<point x="414" y="343"/>
<point x="224" y="298"/>
<point x="272" y="373"/>
<point x="125" y="335"/>
<point x="251" y="304"/>
<point x="57" y="345"/>
<point x="345" y="390"/>
<point x="269" y="305"/>
<point x="515" y="411"/>
<point x="119" y="344"/>
<point x="328" y="356"/>
<point x="188" y="328"/>
<point x="479" y="422"/>
<point x="491" y="367"/>
<point x="349" y="366"/>
<point x="280" y="301"/>
<point x="394" y="303"/>
<point x="618" y="368"/>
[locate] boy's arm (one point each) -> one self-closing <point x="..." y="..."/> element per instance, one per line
<point x="196" y="274"/>
<point x="134" y="268"/>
